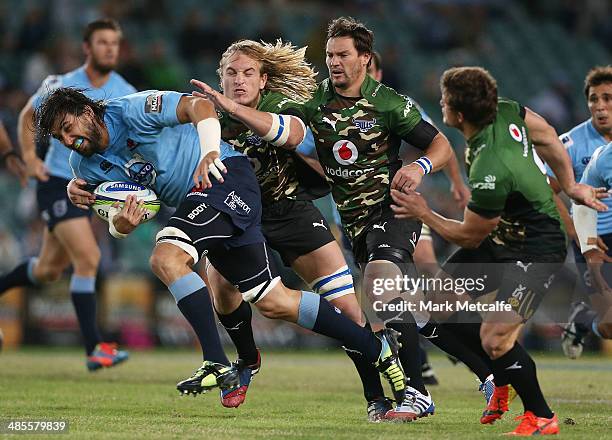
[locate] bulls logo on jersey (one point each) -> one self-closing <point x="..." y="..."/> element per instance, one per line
<point x="345" y="152"/>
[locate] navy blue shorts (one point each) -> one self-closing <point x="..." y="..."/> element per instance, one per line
<point x="226" y="216"/>
<point x="53" y="202"/>
<point x="238" y="196"/>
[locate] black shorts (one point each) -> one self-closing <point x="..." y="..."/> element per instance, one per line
<point x="294" y="228"/>
<point x="522" y="282"/>
<point x="585" y="284"/>
<point x="386" y="231"/>
<point x="53" y="202"/>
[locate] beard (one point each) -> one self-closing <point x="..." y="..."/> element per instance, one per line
<point x="103" y="68"/>
<point x="94" y="140"/>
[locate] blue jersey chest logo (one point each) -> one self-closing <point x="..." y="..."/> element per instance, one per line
<point x="141" y="171"/>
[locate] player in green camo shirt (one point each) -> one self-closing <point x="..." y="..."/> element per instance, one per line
<point x="358" y="125"/>
<point x="512" y="220"/>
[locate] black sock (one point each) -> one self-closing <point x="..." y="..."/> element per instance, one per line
<point x="409" y="354"/>
<point x="16" y="278"/>
<point x="424" y="357"/>
<point x="85" y="308"/>
<point x="238" y="327"/>
<point x="585" y="319"/>
<point x="469" y="334"/>
<point x="448" y="342"/>
<point x="370" y="379"/>
<point x="197" y="309"/>
<point x="521" y="372"/>
<point x="317" y="315"/>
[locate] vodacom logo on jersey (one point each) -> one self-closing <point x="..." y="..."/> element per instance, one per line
<point x="345" y="152"/>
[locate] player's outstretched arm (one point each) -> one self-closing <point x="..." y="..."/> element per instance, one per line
<point x="468" y="233"/>
<point x="551" y="150"/>
<point x="283" y="131"/>
<point x="11" y="159"/>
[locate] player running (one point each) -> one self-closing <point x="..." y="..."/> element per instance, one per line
<point x="580" y="143"/>
<point x="68" y="239"/>
<point x="511" y="220"/>
<point x="169" y="142"/>
<point x="358" y="125"/>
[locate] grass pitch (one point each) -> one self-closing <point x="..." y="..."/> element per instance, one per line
<point x="296" y="395"/>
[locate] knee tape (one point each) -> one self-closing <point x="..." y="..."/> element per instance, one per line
<point x="334" y="285"/>
<point x="178" y="238"/>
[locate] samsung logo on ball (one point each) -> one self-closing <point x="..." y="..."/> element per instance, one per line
<point x="125" y="186"/>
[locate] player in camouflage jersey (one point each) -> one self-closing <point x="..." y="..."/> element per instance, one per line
<point x="259" y="80"/>
<point x="358" y="125"/>
<point x="511" y="219"/>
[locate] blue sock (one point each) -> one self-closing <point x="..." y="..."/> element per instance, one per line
<point x="22" y="275"/>
<point x="193" y="300"/>
<point x="83" y="294"/>
<point x="595" y="330"/>
<point x="320" y="317"/>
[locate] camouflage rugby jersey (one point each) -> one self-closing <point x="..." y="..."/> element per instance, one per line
<point x="274" y="167"/>
<point x="358" y="142"/>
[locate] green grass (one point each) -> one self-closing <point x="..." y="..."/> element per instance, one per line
<point x="296" y="395"/>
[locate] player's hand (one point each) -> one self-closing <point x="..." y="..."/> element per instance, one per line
<point x="221" y="102"/>
<point x="78" y="196"/>
<point x="130" y="216"/>
<point x="407" y="178"/>
<point x="17" y="167"/>
<point x="588" y="196"/>
<point x="408" y="205"/>
<point x="211" y="163"/>
<point x="37" y="168"/>
<point x="461" y="194"/>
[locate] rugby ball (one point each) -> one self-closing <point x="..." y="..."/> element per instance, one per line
<point x="108" y="193"/>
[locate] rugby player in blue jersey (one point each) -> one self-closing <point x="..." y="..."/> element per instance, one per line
<point x="596" y="252"/>
<point x="580" y="143"/>
<point x="175" y="143"/>
<point x="68" y="239"/>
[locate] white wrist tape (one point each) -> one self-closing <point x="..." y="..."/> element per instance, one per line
<point x="425" y="164"/>
<point x="112" y="212"/>
<point x="585" y="222"/>
<point x="209" y="133"/>
<point x="280" y="129"/>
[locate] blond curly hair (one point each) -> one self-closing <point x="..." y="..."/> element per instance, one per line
<point x="288" y="71"/>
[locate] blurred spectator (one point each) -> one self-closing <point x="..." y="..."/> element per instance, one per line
<point x="131" y="66"/>
<point x="34" y="30"/>
<point x="556" y="103"/>
<point x="162" y="72"/>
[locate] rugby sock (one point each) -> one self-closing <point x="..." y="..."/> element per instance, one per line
<point x="82" y="292"/>
<point x="585" y="318"/>
<point x="193" y="300"/>
<point x="370" y="379"/>
<point x="448" y="342"/>
<point x="22" y="275"/>
<point x="521" y="372"/>
<point x="595" y="329"/>
<point x="467" y="330"/>
<point x="320" y="317"/>
<point x="409" y="351"/>
<point x="238" y="326"/>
